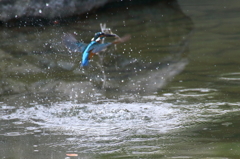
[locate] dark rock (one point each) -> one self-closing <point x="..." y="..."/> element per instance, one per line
<point x="46" y="8"/>
<point x="53" y="12"/>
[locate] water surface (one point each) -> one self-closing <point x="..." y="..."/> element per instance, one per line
<point x="172" y="91"/>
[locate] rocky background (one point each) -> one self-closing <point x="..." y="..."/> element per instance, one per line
<point x="10" y="9"/>
<point x="49" y="9"/>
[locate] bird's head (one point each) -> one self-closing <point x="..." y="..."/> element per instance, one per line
<point x="100" y="35"/>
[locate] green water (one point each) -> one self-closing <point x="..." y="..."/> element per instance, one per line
<point x="172" y="91"/>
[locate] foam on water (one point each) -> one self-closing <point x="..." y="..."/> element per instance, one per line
<point x="112" y="117"/>
<point x="106" y="125"/>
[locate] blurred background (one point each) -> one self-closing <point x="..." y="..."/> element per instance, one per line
<point x="171" y="91"/>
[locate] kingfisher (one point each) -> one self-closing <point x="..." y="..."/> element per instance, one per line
<point x="94" y="47"/>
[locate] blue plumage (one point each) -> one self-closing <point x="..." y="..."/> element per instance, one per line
<point x="86" y="53"/>
<point x="92" y="48"/>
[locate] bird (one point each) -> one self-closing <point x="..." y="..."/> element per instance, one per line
<point x="94" y="47"/>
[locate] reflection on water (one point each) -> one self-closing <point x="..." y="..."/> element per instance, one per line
<point x="49" y="107"/>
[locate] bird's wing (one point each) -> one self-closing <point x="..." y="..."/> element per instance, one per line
<point x="98" y="47"/>
<point x="72" y="44"/>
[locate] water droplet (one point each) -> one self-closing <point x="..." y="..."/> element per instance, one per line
<point x="124" y="24"/>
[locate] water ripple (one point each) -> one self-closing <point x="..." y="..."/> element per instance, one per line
<point x="196" y="92"/>
<point x="233" y="76"/>
<point x="106" y="125"/>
